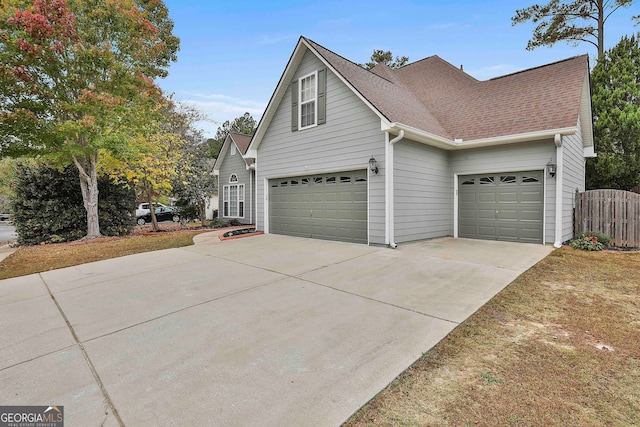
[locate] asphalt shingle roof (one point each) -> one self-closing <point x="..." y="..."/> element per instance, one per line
<point x="242" y="141"/>
<point x="437" y="97"/>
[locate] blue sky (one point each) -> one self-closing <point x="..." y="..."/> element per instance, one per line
<point x="233" y="52"/>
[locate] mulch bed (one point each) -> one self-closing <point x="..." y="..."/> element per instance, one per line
<point x="167" y="227"/>
<point x="239" y="233"/>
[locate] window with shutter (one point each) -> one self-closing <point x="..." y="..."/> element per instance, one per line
<point x="308" y="100"/>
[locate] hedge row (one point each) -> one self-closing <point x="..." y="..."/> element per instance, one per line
<point x="48" y="208"/>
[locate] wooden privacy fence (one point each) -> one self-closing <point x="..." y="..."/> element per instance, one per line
<point x="615" y="213"/>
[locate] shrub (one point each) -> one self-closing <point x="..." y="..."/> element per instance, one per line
<point x="218" y="223"/>
<point x="187" y="211"/>
<point x="587" y="243"/>
<point x="602" y="238"/>
<point x="48" y="206"/>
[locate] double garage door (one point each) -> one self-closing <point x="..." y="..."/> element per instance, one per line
<point x="327" y="206"/>
<point x="499" y="206"/>
<point x="502" y="206"/>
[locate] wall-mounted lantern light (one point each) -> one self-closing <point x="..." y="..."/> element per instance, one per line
<point x="373" y="165"/>
<point x="551" y="168"/>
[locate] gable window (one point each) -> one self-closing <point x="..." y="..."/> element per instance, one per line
<point x="233" y="178"/>
<point x="308" y="100"/>
<point x="233" y="200"/>
<point x="233" y="149"/>
<point x="308" y="104"/>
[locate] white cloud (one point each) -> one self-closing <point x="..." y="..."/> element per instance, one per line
<point x="220" y="108"/>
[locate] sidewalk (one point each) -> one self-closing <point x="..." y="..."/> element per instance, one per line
<point x="5" y="251"/>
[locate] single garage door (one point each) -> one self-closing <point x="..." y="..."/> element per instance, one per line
<point x="327" y="206"/>
<point x="501" y="206"/>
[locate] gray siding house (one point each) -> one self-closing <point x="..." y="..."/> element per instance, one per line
<point x="393" y="155"/>
<point x="236" y="180"/>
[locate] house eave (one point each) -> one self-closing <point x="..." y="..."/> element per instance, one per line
<point x="589" y="151"/>
<point x="457" y="144"/>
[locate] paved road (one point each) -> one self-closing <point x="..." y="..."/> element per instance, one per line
<point x="7" y="232"/>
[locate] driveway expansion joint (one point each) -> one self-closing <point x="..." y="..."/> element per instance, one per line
<point x="379" y="301"/>
<point x="40" y="356"/>
<point x="184" y="309"/>
<point x="518" y="270"/>
<point x="297" y="277"/>
<point x="92" y="368"/>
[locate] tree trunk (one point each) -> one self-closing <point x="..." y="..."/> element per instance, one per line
<point x="87" y="170"/>
<point x="202" y="211"/>
<point x="601" y="19"/>
<point x="152" y="210"/>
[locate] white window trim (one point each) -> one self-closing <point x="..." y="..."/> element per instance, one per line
<point x="233" y="178"/>
<point x="226" y="208"/>
<point x="315" y="101"/>
<point x="233" y="149"/>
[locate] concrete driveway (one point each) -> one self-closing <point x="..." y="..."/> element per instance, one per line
<point x="265" y="330"/>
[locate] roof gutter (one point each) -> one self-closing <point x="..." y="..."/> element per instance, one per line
<point x="458" y="144"/>
<point x="388" y="180"/>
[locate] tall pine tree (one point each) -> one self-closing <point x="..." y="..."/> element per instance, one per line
<point x="615" y="83"/>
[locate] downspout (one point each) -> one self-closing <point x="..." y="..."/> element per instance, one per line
<point x="255" y="189"/>
<point x="559" y="181"/>
<point x="388" y="175"/>
<point x="251" y="175"/>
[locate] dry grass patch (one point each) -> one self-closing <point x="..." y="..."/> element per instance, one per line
<point x="560" y="346"/>
<point x="36" y="259"/>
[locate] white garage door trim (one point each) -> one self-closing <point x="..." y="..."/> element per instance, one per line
<point x="265" y="193"/>
<point x="457" y="175"/>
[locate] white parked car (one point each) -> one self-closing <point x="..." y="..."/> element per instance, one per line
<point x="143" y="208"/>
